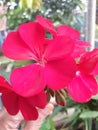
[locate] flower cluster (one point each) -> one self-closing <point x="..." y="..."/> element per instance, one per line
<point x="59" y="62"/>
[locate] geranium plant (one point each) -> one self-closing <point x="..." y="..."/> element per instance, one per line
<point x="60" y="65"/>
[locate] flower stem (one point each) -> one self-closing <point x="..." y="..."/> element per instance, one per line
<point x="86" y="125"/>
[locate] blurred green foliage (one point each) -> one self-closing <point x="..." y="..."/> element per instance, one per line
<point x="31" y="4"/>
<point x="48" y="124"/>
<point x="59" y="11"/>
<point x="84" y="116"/>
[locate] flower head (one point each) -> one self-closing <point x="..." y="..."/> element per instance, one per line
<point x="67" y="31"/>
<point x="54" y="65"/>
<point x="84" y="84"/>
<point x="15" y="103"/>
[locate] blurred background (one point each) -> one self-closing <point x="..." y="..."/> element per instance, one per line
<point x="81" y="15"/>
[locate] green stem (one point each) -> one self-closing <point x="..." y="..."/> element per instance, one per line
<point x="90" y="124"/>
<point x="86" y="125"/>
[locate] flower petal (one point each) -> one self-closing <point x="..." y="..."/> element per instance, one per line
<point x="79" y="48"/>
<point x="10" y="101"/>
<point x="82" y="88"/>
<point x="46" y="23"/>
<point x="28" y="112"/>
<point x="28" y="80"/>
<point x="38" y="100"/>
<point x="15" y="48"/>
<point x="59" y="48"/>
<point x="65" y="30"/>
<point x="33" y="35"/>
<point x="60" y="72"/>
<point x="95" y="70"/>
<point x="4" y="85"/>
<point x="88" y="61"/>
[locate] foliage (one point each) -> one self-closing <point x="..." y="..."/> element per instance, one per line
<point x="48" y="124"/>
<point x="84" y="115"/>
<point x="59" y="11"/>
<point x="31" y="4"/>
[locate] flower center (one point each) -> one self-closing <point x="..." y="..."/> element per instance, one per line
<point x="42" y="61"/>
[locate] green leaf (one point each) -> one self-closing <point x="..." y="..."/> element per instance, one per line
<point x="56" y="110"/>
<point x="95" y="97"/>
<point x="89" y="114"/>
<point x="4" y="60"/>
<point x="31" y="4"/>
<point x="48" y="124"/>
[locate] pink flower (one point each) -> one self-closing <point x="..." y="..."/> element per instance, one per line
<point x="54" y="65"/>
<point x="65" y="30"/>
<point x="14" y="102"/>
<point x="84" y="84"/>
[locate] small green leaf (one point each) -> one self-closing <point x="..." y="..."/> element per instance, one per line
<point x="89" y="114"/>
<point x="4" y="60"/>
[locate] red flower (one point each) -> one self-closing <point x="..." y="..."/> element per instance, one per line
<point x="14" y="102"/>
<point x="84" y="85"/>
<point x="54" y="65"/>
<point x="47" y="24"/>
<point x="67" y="31"/>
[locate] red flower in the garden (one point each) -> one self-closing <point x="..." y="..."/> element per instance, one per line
<point x="53" y="65"/>
<point x="14" y="102"/>
<point x="84" y="85"/>
<point x="65" y="30"/>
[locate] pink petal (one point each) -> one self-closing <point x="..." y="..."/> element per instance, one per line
<point x="82" y="44"/>
<point x="82" y="88"/>
<point x="33" y="35"/>
<point x="59" y="48"/>
<point x="15" y="48"/>
<point x="60" y="72"/>
<point x="10" y="101"/>
<point x="38" y="100"/>
<point x="88" y="61"/>
<point x="95" y="70"/>
<point x="68" y="31"/>
<point x="47" y="24"/>
<point x="79" y="48"/>
<point x="28" y="112"/>
<point x="4" y="85"/>
<point x="77" y="52"/>
<point x="28" y="80"/>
